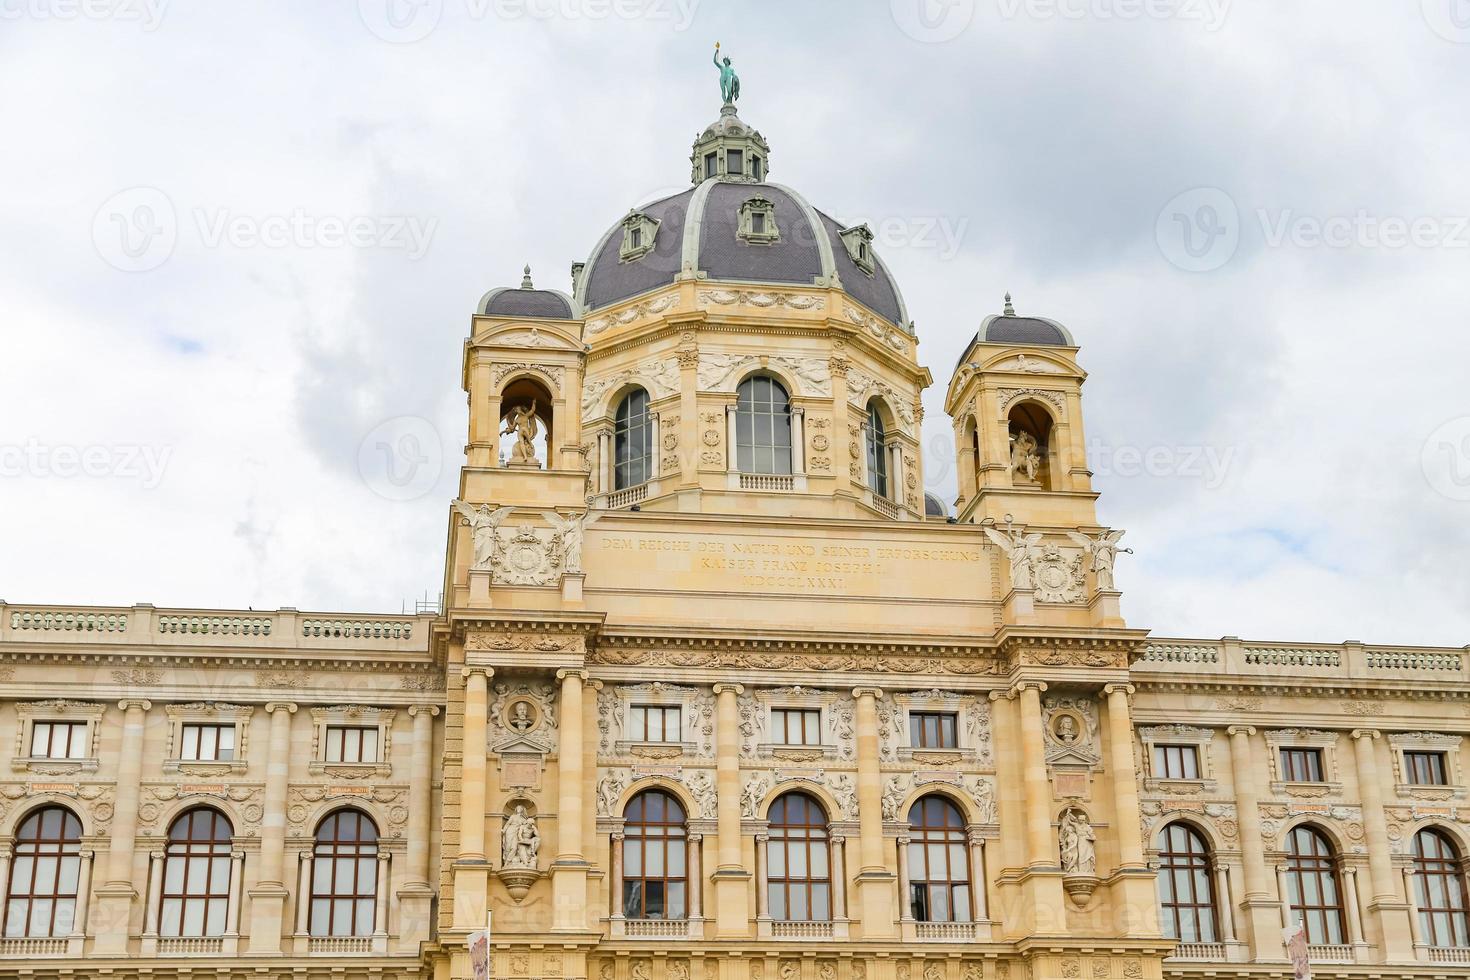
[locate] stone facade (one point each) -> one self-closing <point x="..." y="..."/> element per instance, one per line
<point x="778" y="680"/>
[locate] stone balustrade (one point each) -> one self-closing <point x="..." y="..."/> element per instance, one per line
<point x="1349" y="660"/>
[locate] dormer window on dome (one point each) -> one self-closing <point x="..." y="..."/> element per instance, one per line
<point x="858" y="241"/>
<point x="758" y="222"/>
<point x="639" y="233"/>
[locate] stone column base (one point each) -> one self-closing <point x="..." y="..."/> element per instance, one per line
<point x="875" y="905"/>
<point x="112" y="916"/>
<point x="415" y="902"/>
<point x="732" y="907"/>
<point x="569" y="897"/>
<point x="267" y="919"/>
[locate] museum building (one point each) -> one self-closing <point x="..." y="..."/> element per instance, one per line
<point x="718" y="693"/>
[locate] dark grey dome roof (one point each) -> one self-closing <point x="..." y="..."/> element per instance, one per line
<point x="527" y="301"/>
<point x="697" y="233"/>
<point x="1036" y="331"/>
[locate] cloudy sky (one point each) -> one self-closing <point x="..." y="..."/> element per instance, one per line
<point x="240" y="243"/>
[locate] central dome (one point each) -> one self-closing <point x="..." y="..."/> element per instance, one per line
<point x="734" y="227"/>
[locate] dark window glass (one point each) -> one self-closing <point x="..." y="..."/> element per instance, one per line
<point x="1439" y="884"/>
<point x="633" y="439"/>
<point x="758" y="222"/>
<point x="655" y="859"/>
<point x="798" y="873"/>
<point x="877" y="452"/>
<point x="796" y="726"/>
<point x="1311" y="881"/>
<point x="734" y="161"/>
<point x="1186" y="891"/>
<point x="1301" y="765"/>
<point x="41" y="895"/>
<point x="195" y="896"/>
<point x="1425" y="768"/>
<point x="762" y="427"/>
<point x="711" y="164"/>
<point x="344" y="875"/>
<point x="939" y="862"/>
<point x="932" y="730"/>
<point x="755" y="167"/>
<point x="635" y="237"/>
<point x="1176" y="762"/>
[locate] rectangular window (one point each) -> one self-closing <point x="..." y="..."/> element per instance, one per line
<point x="656" y="723"/>
<point x="758" y="223"/>
<point x="734" y="162"/>
<point x="755" y="167"/>
<point x="1425" y="769"/>
<point x="796" y="726"/>
<point x="711" y="165"/>
<point x="635" y="237"/>
<point x="207" y="743"/>
<point x="346" y="744"/>
<point x="1301" y="765"/>
<point x="1176" y="762"/>
<point x="932" y="730"/>
<point x="59" y="740"/>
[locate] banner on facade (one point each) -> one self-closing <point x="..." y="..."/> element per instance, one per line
<point x="480" y="952"/>
<point x="1297" y="951"/>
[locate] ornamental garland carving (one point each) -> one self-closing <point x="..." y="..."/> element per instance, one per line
<point x="890" y="731"/>
<point x="660" y="376"/>
<point x="876" y="328"/>
<point x="609" y="720"/>
<point x="1009" y="396"/>
<point x="551" y="372"/>
<point x="720" y="372"/>
<point x="752" y="724"/>
<point x="761" y="299"/>
<point x="873" y="663"/>
<point x="391" y="802"/>
<point x="248" y="801"/>
<point x="523" y="643"/>
<point x="863" y="387"/>
<point x="622" y="318"/>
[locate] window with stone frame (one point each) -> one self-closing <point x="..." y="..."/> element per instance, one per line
<point x="1427" y="765"/>
<point x="796" y="726"/>
<point x="757" y="222"/>
<point x="57" y="733"/>
<point x="640" y="234"/>
<point x="1303" y="762"/>
<point x="352" y="738"/>
<point x="858" y="241"/>
<point x="207" y="737"/>
<point x="1176" y="754"/>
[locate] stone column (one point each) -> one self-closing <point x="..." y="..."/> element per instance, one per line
<point x="232" y="908"/>
<point x="732" y="907"/>
<point x="604" y="461"/>
<point x="1284" y="888"/>
<point x="1133" y="884"/>
<point x="1416" y="928"/>
<point x="864" y="434"/>
<point x="730" y="455"/>
<point x="1260" y="910"/>
<point x="895" y="471"/>
<point x="615" y="874"/>
<point x="874" y="880"/>
<point x="839" y="878"/>
<point x="303" y="892"/>
<point x="84" y="889"/>
<point x="905" y="907"/>
<point x="115" y="897"/>
<point x="471" y="870"/>
<point x="762" y="885"/>
<point x="695" y="873"/>
<point x="151" y="900"/>
<point x="798" y="441"/>
<point x="1393" y="914"/>
<point x="980" y="878"/>
<point x="416" y="896"/>
<point x="268" y="897"/>
<point x="1040" y="851"/>
<point x="654" y="473"/>
<point x="380" y="900"/>
<point x="1350" y="903"/>
<point x="1227" y="907"/>
<point x="569" y="871"/>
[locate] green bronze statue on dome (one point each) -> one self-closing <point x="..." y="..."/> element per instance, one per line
<point x="729" y="81"/>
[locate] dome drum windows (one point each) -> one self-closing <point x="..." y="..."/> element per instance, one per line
<point x="762" y="431"/>
<point x="875" y="433"/>
<point x="633" y="442"/>
<point x="757" y="225"/>
<point x="640" y="233"/>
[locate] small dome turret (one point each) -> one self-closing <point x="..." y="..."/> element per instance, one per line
<point x="528" y="301"/>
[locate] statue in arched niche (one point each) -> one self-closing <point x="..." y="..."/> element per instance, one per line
<point x="522" y="423"/>
<point x="1025" y="457"/>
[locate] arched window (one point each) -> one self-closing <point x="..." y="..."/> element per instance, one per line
<point x="939" y="867"/>
<point x="41" y="899"/>
<point x="1030" y="438"/>
<point x="196" y="875"/>
<point x="762" y="427"/>
<point x="1439" y="884"/>
<point x="1311" y="879"/>
<point x="344" y="875"/>
<point x="633" y="439"/>
<point x="1186" y="892"/>
<point x="877" y="451"/>
<point x="655" y="875"/>
<point x="798" y="876"/>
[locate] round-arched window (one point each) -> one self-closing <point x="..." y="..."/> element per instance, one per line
<point x="1186" y="891"/>
<point x="762" y="427"/>
<point x="41" y="895"/>
<point x="1439" y="887"/>
<point x="877" y="451"/>
<point x="798" y="874"/>
<point x="655" y="859"/>
<point x="939" y="865"/>
<point x="1314" y="891"/>
<point x="344" y="875"/>
<point x="195" y="896"/>
<point x="632" y="441"/>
